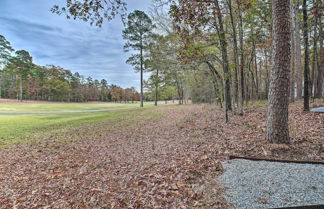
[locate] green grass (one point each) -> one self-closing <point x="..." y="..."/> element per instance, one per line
<point x="18" y="128"/>
<point x="60" y="106"/>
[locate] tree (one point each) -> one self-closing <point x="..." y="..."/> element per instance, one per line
<point x="320" y="75"/>
<point x="93" y="11"/>
<point x="223" y="43"/>
<point x="193" y="18"/>
<point x="5" y="51"/>
<point x="20" y="64"/>
<point x="277" y="117"/>
<point x="297" y="52"/>
<point x="237" y="99"/>
<point x="306" y="55"/>
<point x="5" y="55"/>
<point x="155" y="62"/>
<point x="293" y="49"/>
<point x="137" y="33"/>
<point x="241" y="73"/>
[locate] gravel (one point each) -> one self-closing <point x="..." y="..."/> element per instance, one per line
<point x="318" y="109"/>
<point x="263" y="184"/>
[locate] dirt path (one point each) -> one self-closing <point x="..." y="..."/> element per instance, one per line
<point x="168" y="160"/>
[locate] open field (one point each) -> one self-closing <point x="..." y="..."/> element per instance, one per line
<point x="33" y="106"/>
<point x="21" y="127"/>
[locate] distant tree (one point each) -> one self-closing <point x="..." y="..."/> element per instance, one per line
<point x="277" y="118"/>
<point x="20" y="64"/>
<point x="155" y="63"/>
<point x="5" y="51"/>
<point x="92" y="11"/>
<point x="104" y="90"/>
<point x="21" y="78"/>
<point x="168" y="92"/>
<point x="137" y="33"/>
<point x="5" y="55"/>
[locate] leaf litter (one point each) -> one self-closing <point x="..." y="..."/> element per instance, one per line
<point x="167" y="160"/>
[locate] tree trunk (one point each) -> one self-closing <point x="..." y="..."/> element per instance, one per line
<point x="277" y="116"/>
<point x="142" y="94"/>
<point x="298" y="65"/>
<point x="241" y="83"/>
<point x="216" y="79"/>
<point x="236" y="86"/>
<point x="20" y="89"/>
<point x="292" y="60"/>
<point x="314" y="63"/>
<point x="320" y="67"/>
<point x="256" y="71"/>
<point x="156" y="87"/>
<point x="267" y="74"/>
<point x="306" y="54"/>
<point x="226" y="69"/>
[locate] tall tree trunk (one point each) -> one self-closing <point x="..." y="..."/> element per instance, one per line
<point x="156" y="87"/>
<point x="236" y="62"/>
<point x="267" y="74"/>
<point x="306" y="55"/>
<point x="320" y="67"/>
<point x="20" y="89"/>
<point x="314" y="61"/>
<point x="216" y="79"/>
<point x="226" y="69"/>
<point x="277" y="116"/>
<point x="253" y="80"/>
<point x="142" y="94"/>
<point x="292" y="60"/>
<point x="241" y="82"/>
<point x="256" y="71"/>
<point x="298" y="65"/>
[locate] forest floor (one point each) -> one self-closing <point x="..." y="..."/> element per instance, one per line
<point x="165" y="157"/>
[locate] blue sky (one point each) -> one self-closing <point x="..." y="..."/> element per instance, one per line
<point x="71" y="44"/>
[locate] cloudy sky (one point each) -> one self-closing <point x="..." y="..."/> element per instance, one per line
<point x="71" y="44"/>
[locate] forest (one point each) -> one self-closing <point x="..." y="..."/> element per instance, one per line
<point x="21" y="79"/>
<point x="216" y="57"/>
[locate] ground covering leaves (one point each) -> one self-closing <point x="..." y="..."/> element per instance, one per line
<point x="167" y="157"/>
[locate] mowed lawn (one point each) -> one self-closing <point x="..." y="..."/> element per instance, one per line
<point x="13" y="106"/>
<point x="23" y="127"/>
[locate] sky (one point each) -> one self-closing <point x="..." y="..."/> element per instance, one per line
<point x="71" y="44"/>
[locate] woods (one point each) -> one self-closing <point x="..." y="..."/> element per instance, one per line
<point x="22" y="79"/>
<point x="225" y="44"/>
<point x="204" y="51"/>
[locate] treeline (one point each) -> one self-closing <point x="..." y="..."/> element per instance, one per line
<point x="220" y="51"/>
<point x="228" y="52"/>
<point x="21" y="79"/>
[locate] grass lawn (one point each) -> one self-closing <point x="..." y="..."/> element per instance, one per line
<point x="13" y="106"/>
<point x="20" y="127"/>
